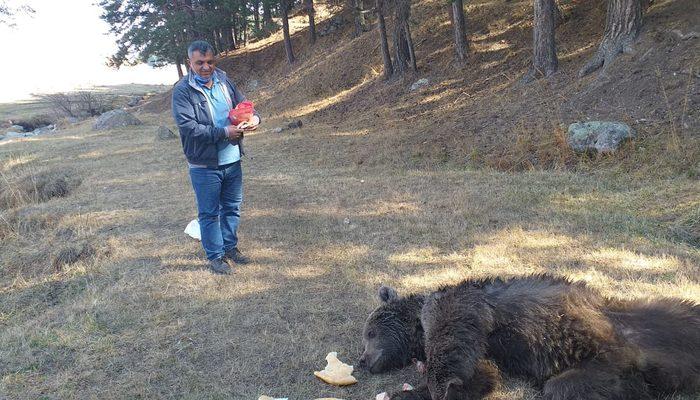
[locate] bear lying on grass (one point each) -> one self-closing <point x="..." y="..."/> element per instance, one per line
<point x="563" y="336"/>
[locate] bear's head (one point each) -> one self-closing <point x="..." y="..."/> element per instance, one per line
<point x="393" y="335"/>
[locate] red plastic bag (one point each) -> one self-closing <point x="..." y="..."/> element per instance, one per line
<point x="242" y="113"/>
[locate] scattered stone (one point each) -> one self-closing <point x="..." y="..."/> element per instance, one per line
<point x="13" y="135"/>
<point x="295" y="124"/>
<point x="346" y="221"/>
<point x="115" y="119"/>
<point x="253" y="85"/>
<point x="278" y="130"/>
<point x="163" y="133"/>
<point x="598" y="136"/>
<point x="689" y="35"/>
<point x="134" y="101"/>
<point x="72" y="120"/>
<point x="16" y="128"/>
<point x="44" y="129"/>
<point x="420" y="83"/>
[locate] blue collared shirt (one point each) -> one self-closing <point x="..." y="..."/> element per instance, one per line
<point x="228" y="153"/>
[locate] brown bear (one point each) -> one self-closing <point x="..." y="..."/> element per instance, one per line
<point x="563" y="336"/>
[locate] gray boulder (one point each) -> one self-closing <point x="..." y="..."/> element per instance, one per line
<point x="163" y="133"/>
<point x="115" y="119"/>
<point x="13" y="135"/>
<point x="134" y="101"/>
<point x="598" y="136"/>
<point x="419" y="84"/>
<point x="44" y="129"/>
<point x="16" y="128"/>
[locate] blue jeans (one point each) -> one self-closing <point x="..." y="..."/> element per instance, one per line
<point x="219" y="193"/>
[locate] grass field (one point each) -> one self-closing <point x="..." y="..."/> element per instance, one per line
<point x="103" y="296"/>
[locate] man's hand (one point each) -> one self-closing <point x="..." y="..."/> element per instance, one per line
<point x="233" y="132"/>
<point x="250" y="125"/>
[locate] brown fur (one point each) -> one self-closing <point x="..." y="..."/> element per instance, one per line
<point x="565" y="337"/>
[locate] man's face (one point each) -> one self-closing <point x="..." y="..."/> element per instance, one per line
<point x="202" y="64"/>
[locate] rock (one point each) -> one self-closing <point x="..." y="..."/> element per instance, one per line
<point x="253" y="85"/>
<point x="163" y="133"/>
<point x="115" y="119"/>
<point x="689" y="35"/>
<point x="599" y="136"/>
<point x="295" y="124"/>
<point x="44" y="129"/>
<point x="278" y="130"/>
<point x="2" y="137"/>
<point x="16" y="128"/>
<point x="134" y="101"/>
<point x="12" y="135"/>
<point x="72" y="120"/>
<point x="419" y="84"/>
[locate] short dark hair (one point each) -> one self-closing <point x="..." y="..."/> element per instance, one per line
<point x="201" y="46"/>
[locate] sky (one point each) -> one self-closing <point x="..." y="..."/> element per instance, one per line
<point x="62" y="47"/>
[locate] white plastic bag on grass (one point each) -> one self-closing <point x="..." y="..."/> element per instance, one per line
<point x="192" y="229"/>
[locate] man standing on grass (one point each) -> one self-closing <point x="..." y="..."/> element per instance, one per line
<point x="213" y="148"/>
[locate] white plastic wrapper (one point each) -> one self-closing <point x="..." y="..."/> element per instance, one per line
<point x="192" y="229"/>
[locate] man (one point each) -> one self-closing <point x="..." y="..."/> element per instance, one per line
<point x="213" y="148"/>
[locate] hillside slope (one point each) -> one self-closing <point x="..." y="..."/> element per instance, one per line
<point x="477" y="113"/>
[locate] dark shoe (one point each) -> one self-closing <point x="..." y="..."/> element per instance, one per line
<point x="219" y="266"/>
<point x="234" y="255"/>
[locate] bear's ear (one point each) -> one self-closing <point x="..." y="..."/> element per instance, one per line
<point x="387" y="294"/>
<point x="455" y="389"/>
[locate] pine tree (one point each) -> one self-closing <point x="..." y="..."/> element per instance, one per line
<point x="622" y="26"/>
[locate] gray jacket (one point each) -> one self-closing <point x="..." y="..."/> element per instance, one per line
<point x="201" y="140"/>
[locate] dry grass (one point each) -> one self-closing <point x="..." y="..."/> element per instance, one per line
<point x="142" y="317"/>
<point x="477" y="114"/>
<point x="103" y="296"/>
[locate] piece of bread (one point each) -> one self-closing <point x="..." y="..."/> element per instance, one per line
<point x="336" y="372"/>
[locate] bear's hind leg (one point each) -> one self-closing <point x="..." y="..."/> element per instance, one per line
<point x="594" y="381"/>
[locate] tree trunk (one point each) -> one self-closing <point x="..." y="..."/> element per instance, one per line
<point x="267" y="16"/>
<point x="309" y="5"/>
<point x="217" y="42"/>
<point x="358" y="11"/>
<point x="244" y="23"/>
<point x="231" y="39"/>
<point x="178" y="64"/>
<point x="193" y="34"/>
<point x="256" y="15"/>
<point x="285" y="30"/>
<point x="403" y="44"/>
<point x="459" y="29"/>
<point x="388" y="66"/>
<point x="234" y="28"/>
<point x="622" y="26"/>
<point x="411" y="49"/>
<point x="544" y="59"/>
